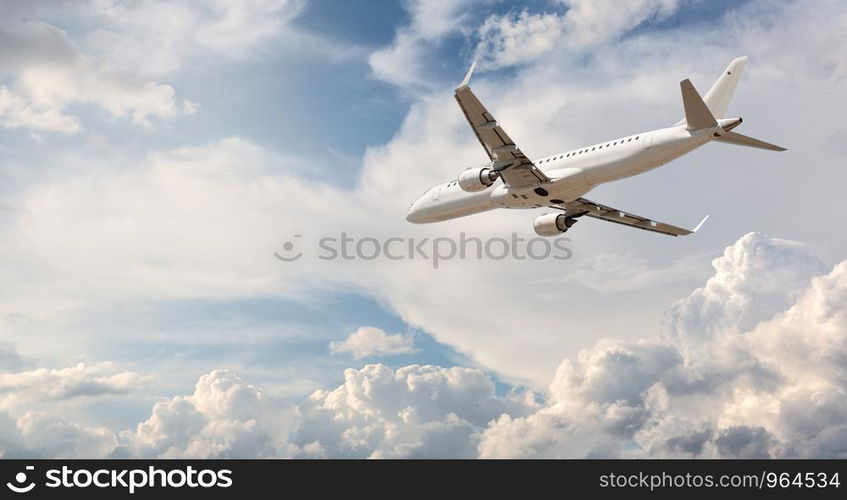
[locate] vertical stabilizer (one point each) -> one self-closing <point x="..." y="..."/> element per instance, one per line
<point x="718" y="97"/>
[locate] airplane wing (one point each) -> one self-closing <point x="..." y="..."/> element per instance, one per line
<point x="515" y="168"/>
<point x="582" y="206"/>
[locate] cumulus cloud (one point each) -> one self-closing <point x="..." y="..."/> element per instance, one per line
<point x="39" y="434"/>
<point x="51" y="436"/>
<point x="756" y="278"/>
<point x="413" y="412"/>
<point x="32" y="402"/>
<point x="764" y="377"/>
<point x="371" y="341"/>
<point x="774" y="387"/>
<point x="223" y="417"/>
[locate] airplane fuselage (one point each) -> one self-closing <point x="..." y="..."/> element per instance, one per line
<point x="573" y="174"/>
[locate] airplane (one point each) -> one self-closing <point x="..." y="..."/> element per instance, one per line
<point x="511" y="180"/>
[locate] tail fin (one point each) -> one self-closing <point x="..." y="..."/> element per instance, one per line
<point x="718" y="97"/>
<point x="743" y="140"/>
<point x="701" y="113"/>
<point x="697" y="114"/>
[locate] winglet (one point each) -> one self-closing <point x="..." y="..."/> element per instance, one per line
<point x="700" y="224"/>
<point x="467" y="79"/>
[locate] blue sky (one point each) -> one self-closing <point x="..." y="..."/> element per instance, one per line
<point x="154" y="156"/>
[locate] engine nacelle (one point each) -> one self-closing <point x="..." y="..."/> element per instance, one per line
<point x="552" y="224"/>
<point x="476" y="179"/>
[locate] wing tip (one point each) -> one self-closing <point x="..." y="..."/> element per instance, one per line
<point x="468" y="75"/>
<point x="697" y="228"/>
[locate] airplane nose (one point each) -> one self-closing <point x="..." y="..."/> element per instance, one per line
<point x="411" y="216"/>
<point x="414" y="213"/>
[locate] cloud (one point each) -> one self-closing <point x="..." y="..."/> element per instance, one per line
<point x="774" y="388"/>
<point x="413" y="412"/>
<point x="52" y="385"/>
<point x="524" y="37"/>
<point x="155" y="37"/>
<point x="127" y="43"/>
<point x="223" y="417"/>
<point x="33" y="401"/>
<point x="756" y="278"/>
<point x="51" y="436"/>
<point x="617" y="273"/>
<point x="49" y="75"/>
<point x="762" y="377"/>
<point x="403" y="63"/>
<point x="370" y="341"/>
<point x="202" y="221"/>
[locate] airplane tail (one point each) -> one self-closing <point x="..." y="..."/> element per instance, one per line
<point x="718" y="97"/>
<point x="743" y="140"/>
<point x="710" y="111"/>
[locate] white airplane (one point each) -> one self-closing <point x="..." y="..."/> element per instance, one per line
<point x="511" y="180"/>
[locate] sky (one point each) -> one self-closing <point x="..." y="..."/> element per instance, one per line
<point x="157" y="158"/>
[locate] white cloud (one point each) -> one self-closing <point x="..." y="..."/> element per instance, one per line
<point x="156" y="36"/>
<point x="774" y="388"/>
<point x="523" y="37"/>
<point x="738" y="385"/>
<point x="224" y="417"/>
<point x="51" y="385"/>
<point x="49" y="75"/>
<point x="50" y="436"/>
<point x="756" y="278"/>
<point x="16" y="111"/>
<point x="403" y="63"/>
<point x="127" y="43"/>
<point x="413" y="412"/>
<point x="370" y="341"/>
<point x="203" y="221"/>
<point x="33" y="403"/>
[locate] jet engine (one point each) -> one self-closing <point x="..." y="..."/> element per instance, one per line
<point x="552" y="224"/>
<point x="476" y="179"/>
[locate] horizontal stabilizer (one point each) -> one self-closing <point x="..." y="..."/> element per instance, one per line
<point x="697" y="114"/>
<point x="743" y="140"/>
